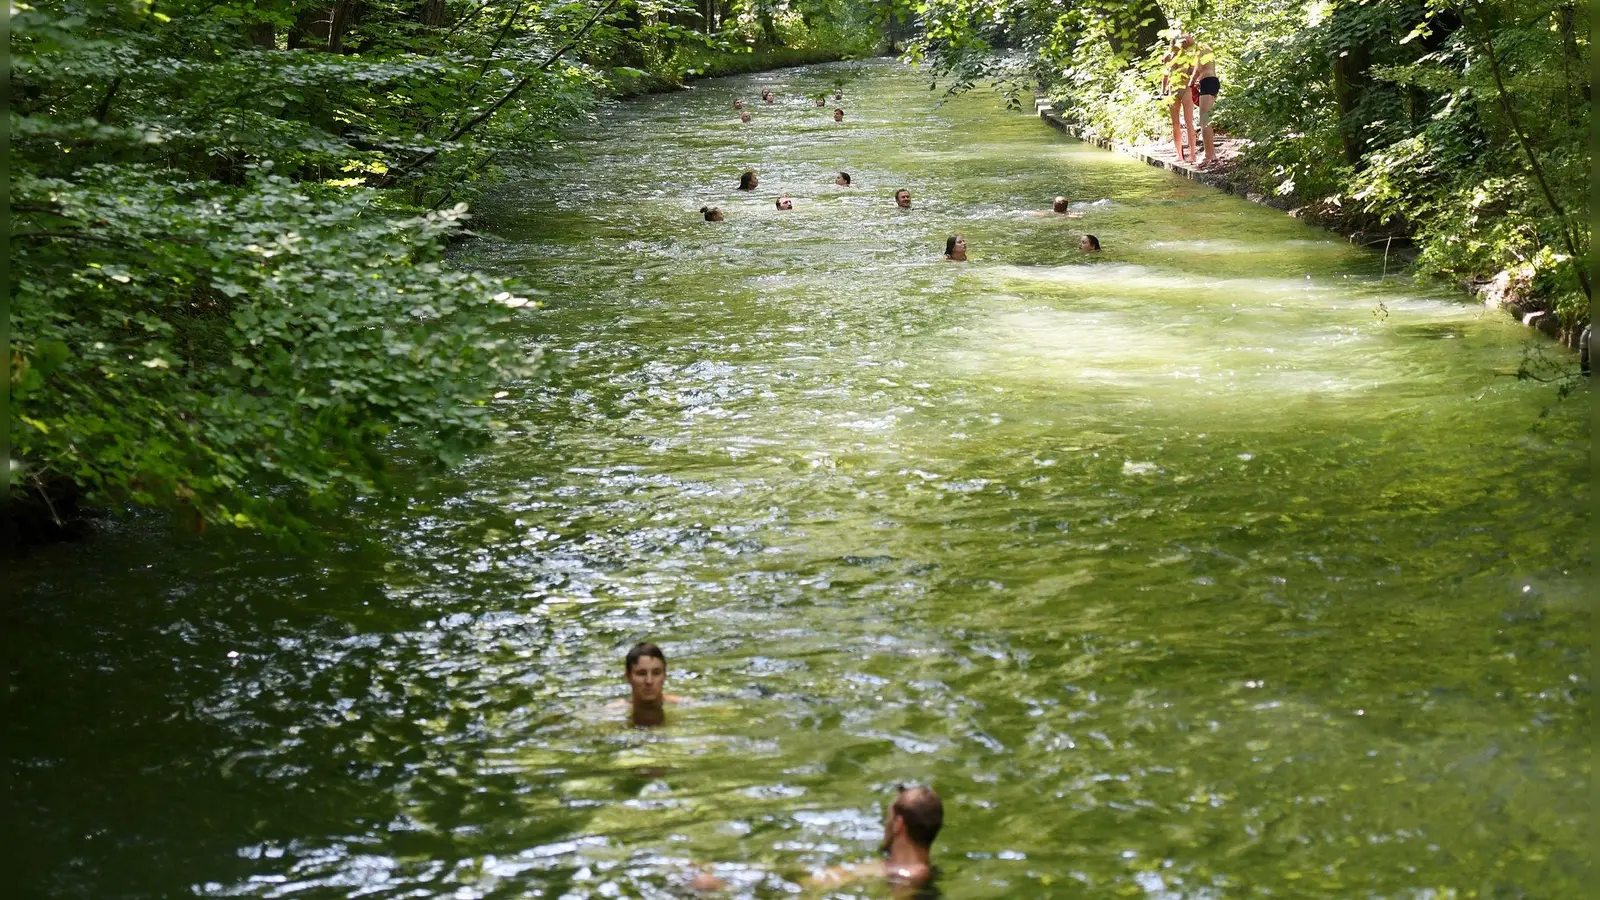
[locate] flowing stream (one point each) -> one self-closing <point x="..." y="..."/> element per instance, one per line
<point x="1214" y="565"/>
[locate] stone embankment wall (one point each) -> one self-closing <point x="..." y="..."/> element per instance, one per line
<point x="1506" y="291"/>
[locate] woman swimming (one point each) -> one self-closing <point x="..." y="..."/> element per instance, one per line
<point x="955" y="248"/>
<point x="749" y="180"/>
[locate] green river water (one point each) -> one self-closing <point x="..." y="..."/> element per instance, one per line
<point x="1213" y="566"/>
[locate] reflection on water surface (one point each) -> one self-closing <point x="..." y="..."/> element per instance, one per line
<point x="1178" y="571"/>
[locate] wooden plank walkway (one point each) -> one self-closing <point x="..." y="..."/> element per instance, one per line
<point x="1163" y="157"/>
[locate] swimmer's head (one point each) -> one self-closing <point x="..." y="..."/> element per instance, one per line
<point x="738" y="104"/>
<point x="843" y="180"/>
<point x="748" y="181"/>
<point x="838" y="93"/>
<point x="1089" y="244"/>
<point x="766" y="95"/>
<point x="711" y="213"/>
<point x="645" y="670"/>
<point x="744" y="116"/>
<point x="955" y="248"/>
<point x="902" y="198"/>
<point x="784" y="202"/>
<point x="822" y="101"/>
<point x="916" y="815"/>
<point x="838" y="114"/>
<point x="1058" y="205"/>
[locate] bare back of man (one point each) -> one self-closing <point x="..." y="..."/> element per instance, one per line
<point x="913" y="821"/>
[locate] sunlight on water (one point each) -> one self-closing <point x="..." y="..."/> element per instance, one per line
<point x="1217" y="564"/>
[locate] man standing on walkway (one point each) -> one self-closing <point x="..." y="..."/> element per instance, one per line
<point x="1204" y="82"/>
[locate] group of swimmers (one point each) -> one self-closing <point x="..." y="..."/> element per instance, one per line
<point x="769" y="98"/>
<point x="912" y="822"/>
<point x="955" y="246"/>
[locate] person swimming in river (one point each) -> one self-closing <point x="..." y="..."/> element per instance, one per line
<point x="909" y="829"/>
<point x="749" y="180"/>
<point x="767" y="96"/>
<point x="902" y="198"/>
<point x="1060" y="206"/>
<point x="843" y="180"/>
<point x="955" y="248"/>
<point x="784" y="202"/>
<point x="738" y="103"/>
<point x="711" y="213"/>
<point x="822" y="101"/>
<point x="745" y="117"/>
<point x="645" y="671"/>
<point x="1089" y="244"/>
<point x="838" y="114"/>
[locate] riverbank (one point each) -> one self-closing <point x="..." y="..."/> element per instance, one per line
<point x="1509" y="291"/>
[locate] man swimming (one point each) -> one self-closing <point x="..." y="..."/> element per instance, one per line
<point x="745" y="116"/>
<point x="838" y="114"/>
<point x="914" y="820"/>
<point x="1060" y="206"/>
<point x="645" y="670"/>
<point x="785" y="202"/>
<point x="749" y="180"/>
<point x="902" y="198"/>
<point x="738" y="104"/>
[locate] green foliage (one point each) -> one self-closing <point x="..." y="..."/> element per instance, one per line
<point x="1460" y="123"/>
<point x="229" y="224"/>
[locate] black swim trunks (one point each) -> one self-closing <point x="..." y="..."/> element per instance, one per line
<point x="1210" y="85"/>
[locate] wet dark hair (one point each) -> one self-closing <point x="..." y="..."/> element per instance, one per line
<point x="747" y="180"/>
<point x="640" y="651"/>
<point x="923" y="813"/>
<point x="845" y="176"/>
<point x="1061" y="202"/>
<point x="709" y="211"/>
<point x="1093" y="241"/>
<point x="950" y="244"/>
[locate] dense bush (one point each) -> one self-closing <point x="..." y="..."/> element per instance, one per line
<point x="228" y="225"/>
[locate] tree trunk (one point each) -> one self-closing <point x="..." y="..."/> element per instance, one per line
<point x="310" y="28"/>
<point x="264" y="35"/>
<point x="1351" y="79"/>
<point x="1135" y="27"/>
<point x="434" y="13"/>
<point x="339" y="21"/>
